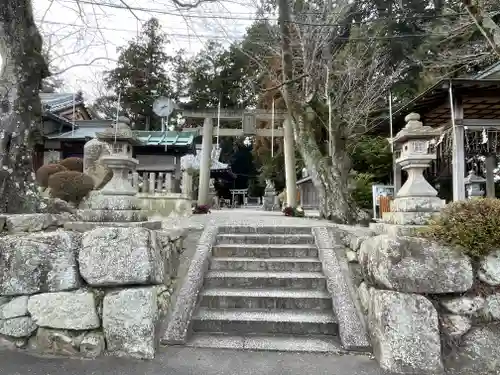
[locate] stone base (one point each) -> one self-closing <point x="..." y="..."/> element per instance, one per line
<point x="396" y="229"/>
<point x="417" y="204"/>
<point x="112" y="215"/>
<point x="81" y="226"/>
<point x="407" y="218"/>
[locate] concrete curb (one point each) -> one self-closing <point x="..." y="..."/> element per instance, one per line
<point x="352" y="330"/>
<point x="178" y="324"/>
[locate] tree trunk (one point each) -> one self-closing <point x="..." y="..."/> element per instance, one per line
<point x="330" y="179"/>
<point x="20" y="80"/>
<point x="485" y="23"/>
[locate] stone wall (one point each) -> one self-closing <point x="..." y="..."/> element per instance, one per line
<point x="428" y="307"/>
<point x="69" y="293"/>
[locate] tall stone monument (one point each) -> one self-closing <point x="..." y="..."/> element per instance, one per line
<point x="417" y="200"/>
<point x="269" y="196"/>
<point x="116" y="203"/>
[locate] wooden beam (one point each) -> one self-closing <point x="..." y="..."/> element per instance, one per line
<point x="480" y="123"/>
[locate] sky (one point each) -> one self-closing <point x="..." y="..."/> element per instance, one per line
<point x="83" y="35"/>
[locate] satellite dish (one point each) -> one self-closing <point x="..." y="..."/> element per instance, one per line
<point x="163" y="107"/>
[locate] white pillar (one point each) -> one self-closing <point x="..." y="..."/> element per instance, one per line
<point x="458" y="157"/>
<point x="159" y="183"/>
<point x="168" y="182"/>
<point x="187" y="184"/>
<point x="151" y="183"/>
<point x="458" y="152"/>
<point x="206" y="156"/>
<point x="490" y="162"/>
<point x="290" y="176"/>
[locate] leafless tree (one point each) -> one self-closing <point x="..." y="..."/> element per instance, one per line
<point x="333" y="79"/>
<point x="21" y="73"/>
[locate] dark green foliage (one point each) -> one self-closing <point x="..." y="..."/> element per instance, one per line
<point x="141" y="75"/>
<point x="362" y="192"/>
<point x="45" y="171"/>
<point x="372" y="154"/>
<point x="473" y="224"/>
<point x="70" y="186"/>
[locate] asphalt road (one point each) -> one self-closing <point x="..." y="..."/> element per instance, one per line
<point x="189" y="361"/>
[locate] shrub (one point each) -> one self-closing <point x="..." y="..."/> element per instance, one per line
<point x="73" y="164"/>
<point x="203" y="209"/>
<point x="70" y="186"/>
<point x="45" y="171"/>
<point x="474" y="225"/>
<point x="294" y="212"/>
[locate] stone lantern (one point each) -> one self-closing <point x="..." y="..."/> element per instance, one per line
<point x="417" y="199"/>
<point x="122" y="139"/>
<point x="473" y="184"/>
<point x="116" y="204"/>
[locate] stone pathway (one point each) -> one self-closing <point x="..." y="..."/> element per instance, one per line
<point x="189" y="361"/>
<point x="243" y="217"/>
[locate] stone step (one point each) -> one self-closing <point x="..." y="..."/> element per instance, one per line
<point x="231" y="298"/>
<point x="265" y="279"/>
<point x="242" y="321"/>
<point x="265" y="264"/>
<point x="281" y="239"/>
<point x="265" y="250"/>
<point x="264" y="230"/>
<point x="282" y="343"/>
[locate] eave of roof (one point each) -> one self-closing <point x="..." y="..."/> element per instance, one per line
<point x="438" y="94"/>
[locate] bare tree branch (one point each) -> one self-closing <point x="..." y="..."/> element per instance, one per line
<point x="83" y="64"/>
<point x="484" y="22"/>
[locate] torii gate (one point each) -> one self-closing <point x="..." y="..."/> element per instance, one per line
<point x="249" y="128"/>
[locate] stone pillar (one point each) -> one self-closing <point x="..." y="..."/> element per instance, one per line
<point x="473" y="184"/>
<point x="290" y="176"/>
<point x="206" y="153"/>
<point x="490" y="164"/>
<point x="168" y="182"/>
<point x="187" y="184"/>
<point x="458" y="161"/>
<point x="177" y="175"/>
<point x="159" y="183"/>
<point x="151" y="183"/>
<point x="458" y="150"/>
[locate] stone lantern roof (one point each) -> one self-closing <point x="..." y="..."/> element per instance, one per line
<point x="120" y="132"/>
<point x="473" y="178"/>
<point x="415" y="129"/>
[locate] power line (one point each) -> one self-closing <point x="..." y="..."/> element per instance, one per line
<point x="218" y="37"/>
<point x="179" y="35"/>
<point x="226" y="17"/>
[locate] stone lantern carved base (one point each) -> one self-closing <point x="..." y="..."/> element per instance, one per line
<point x="413" y="210"/>
<point x="116" y="204"/>
<point x="416" y="202"/>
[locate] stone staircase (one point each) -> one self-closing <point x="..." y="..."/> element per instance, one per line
<point x="265" y="290"/>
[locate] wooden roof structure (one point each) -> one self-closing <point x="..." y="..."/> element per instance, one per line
<point x="479" y="98"/>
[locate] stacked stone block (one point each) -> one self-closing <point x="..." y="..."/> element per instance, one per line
<point x="63" y="292"/>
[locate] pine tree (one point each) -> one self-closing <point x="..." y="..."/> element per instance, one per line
<point x="141" y="76"/>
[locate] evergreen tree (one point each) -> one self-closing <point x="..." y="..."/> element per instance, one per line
<point x="141" y="76"/>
